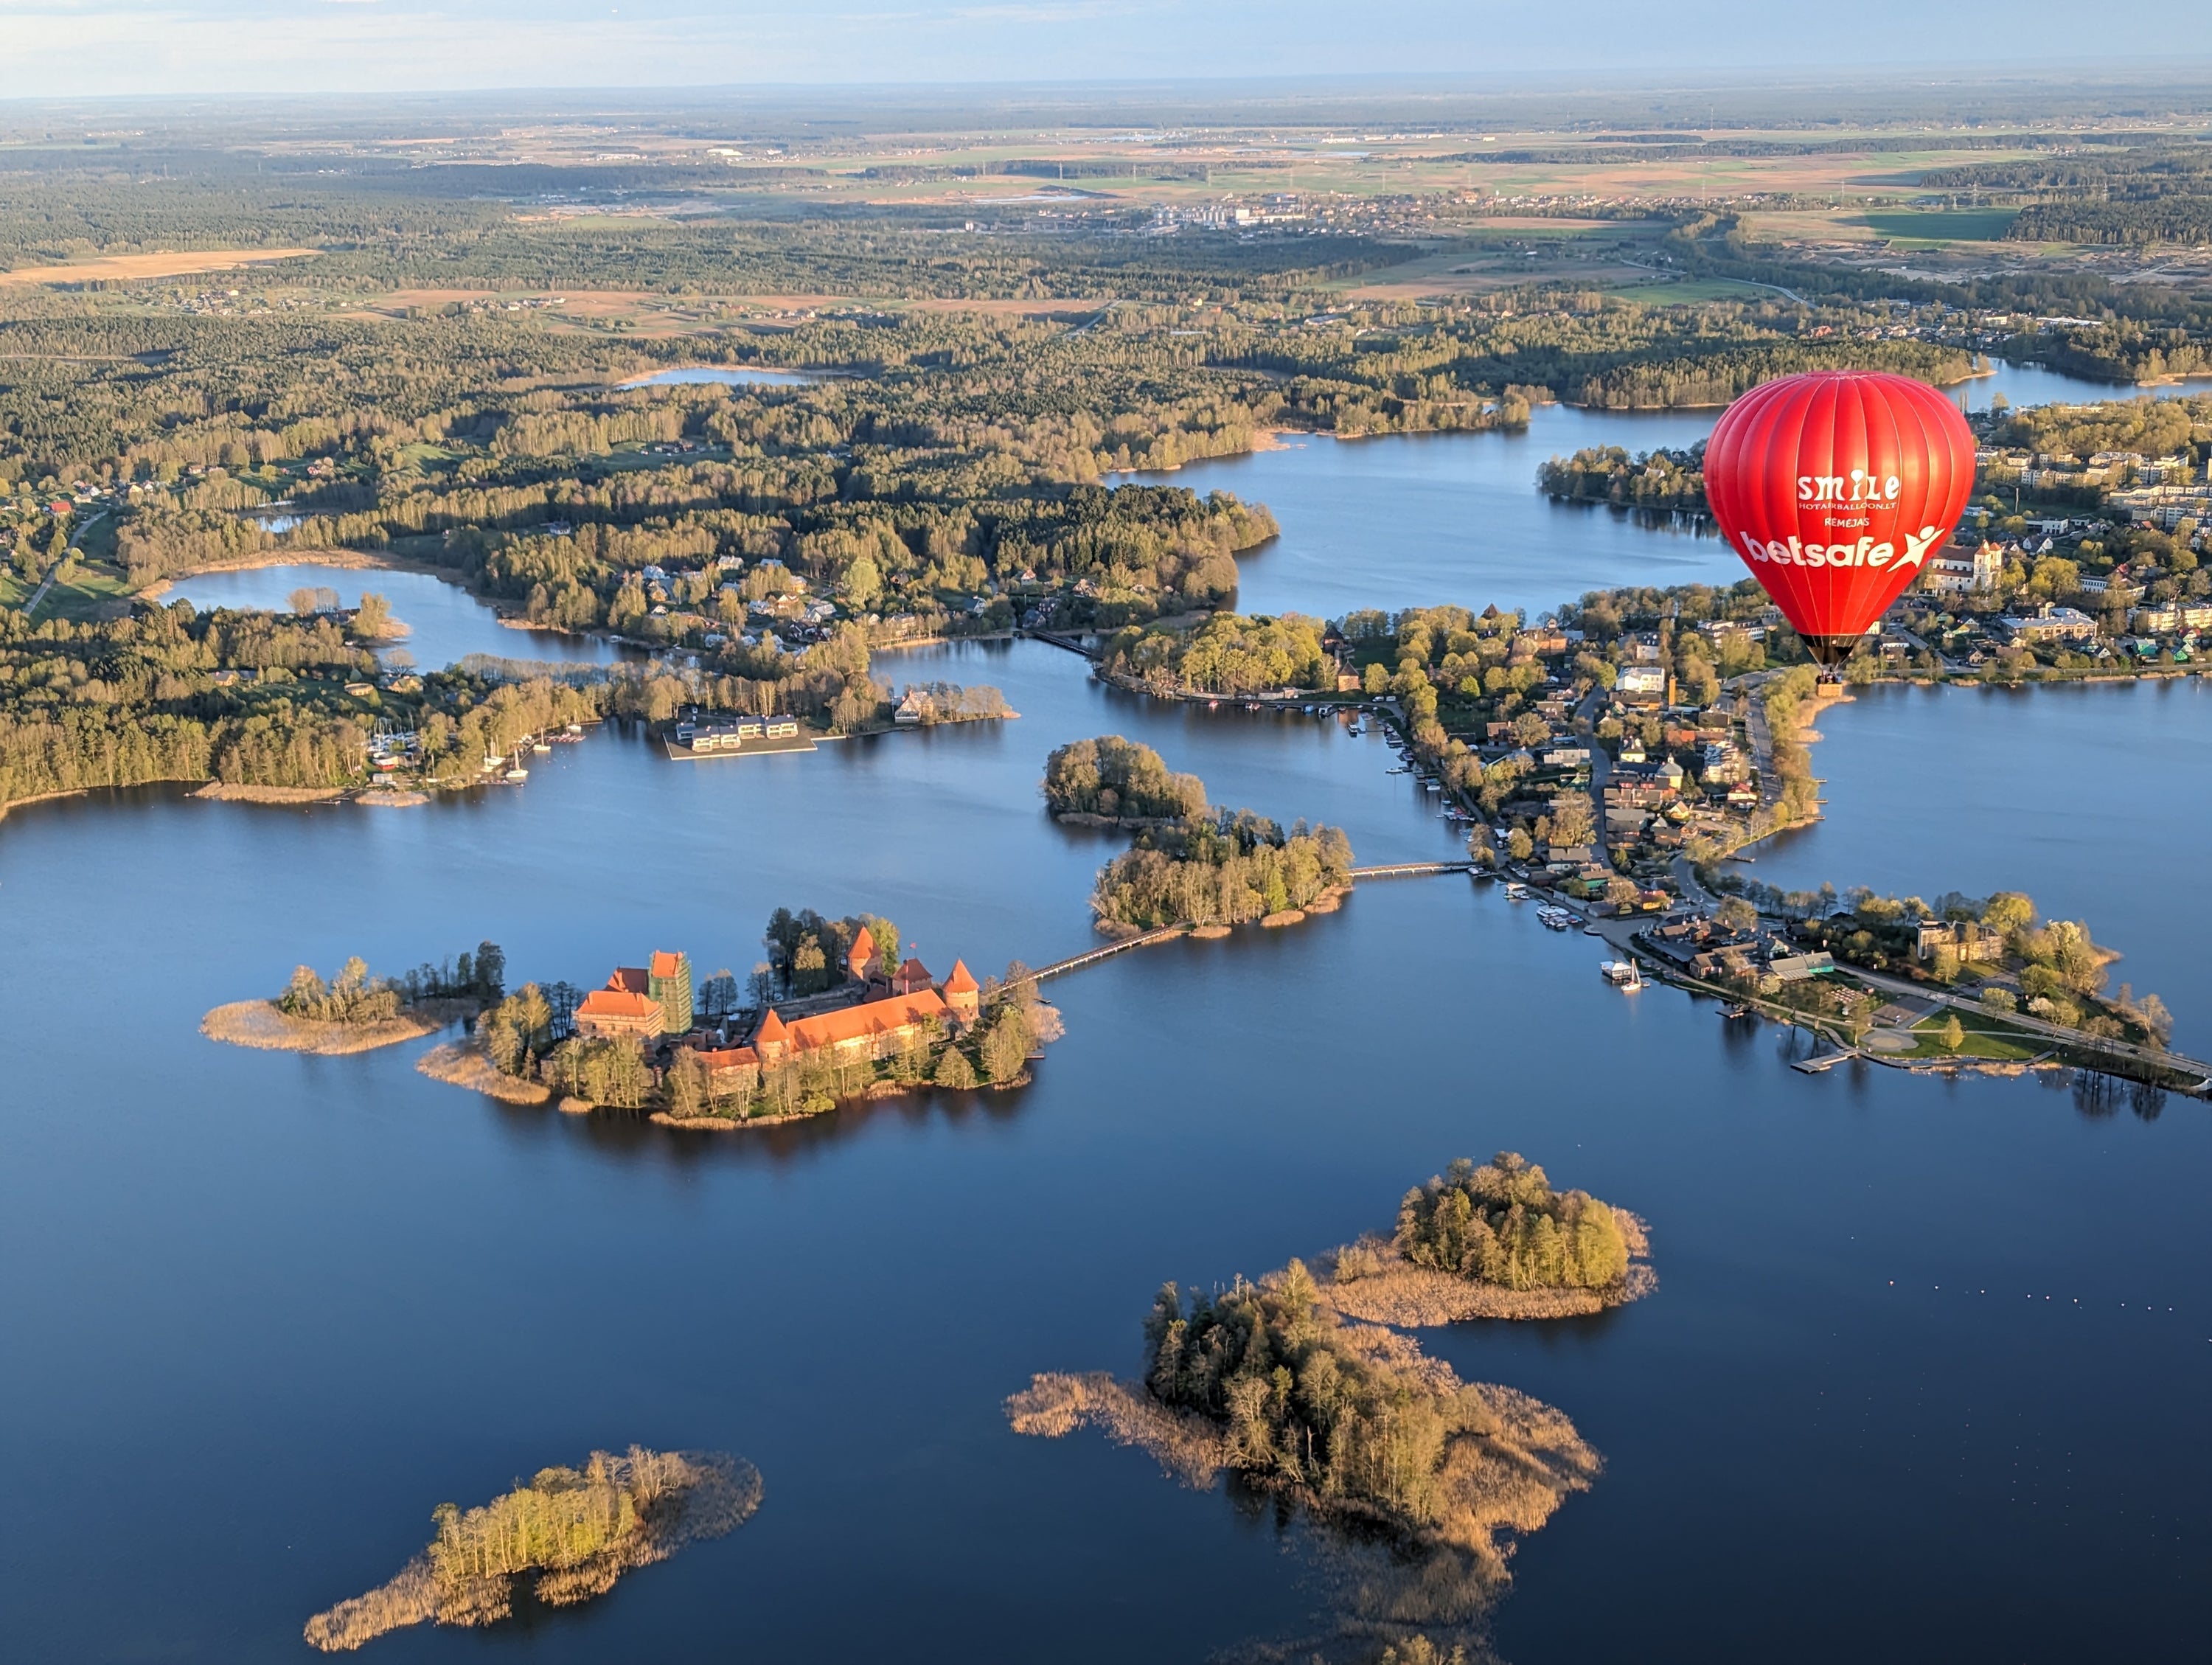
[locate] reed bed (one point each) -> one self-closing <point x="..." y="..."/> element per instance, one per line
<point x="259" y="1024"/>
<point x="580" y="1530"/>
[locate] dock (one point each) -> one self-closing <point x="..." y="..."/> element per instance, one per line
<point x="1821" y="1064"/>
<point x="683" y="754"/>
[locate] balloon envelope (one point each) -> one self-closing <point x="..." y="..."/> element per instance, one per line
<point x="1837" y="487"/>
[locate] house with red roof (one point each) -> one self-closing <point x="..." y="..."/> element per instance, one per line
<point x="613" y="1010"/>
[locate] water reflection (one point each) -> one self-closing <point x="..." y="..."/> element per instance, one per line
<point x="726" y="375"/>
<point x="445" y="622"/>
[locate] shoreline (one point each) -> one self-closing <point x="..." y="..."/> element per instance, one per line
<point x="1406" y="1296"/>
<point x="462" y="1064"/>
<point x="257" y="560"/>
<point x="260" y="1025"/>
<point x="217" y="791"/>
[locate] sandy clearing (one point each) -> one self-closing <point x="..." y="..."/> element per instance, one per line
<point x="162" y="264"/>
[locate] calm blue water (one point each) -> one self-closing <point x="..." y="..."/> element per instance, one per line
<point x="266" y="1311"/>
<point x="1923" y="1380"/>
<point x="726" y="375"/>
<point x="2031" y="383"/>
<point x="445" y="622"/>
<point x="1414" y="521"/>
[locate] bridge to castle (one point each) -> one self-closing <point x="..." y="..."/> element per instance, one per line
<point x="1415" y="869"/>
<point x="1106" y="950"/>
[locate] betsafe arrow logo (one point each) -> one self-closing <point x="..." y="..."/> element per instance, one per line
<point x="1865" y="553"/>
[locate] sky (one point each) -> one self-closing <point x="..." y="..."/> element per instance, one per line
<point x="80" y="47"/>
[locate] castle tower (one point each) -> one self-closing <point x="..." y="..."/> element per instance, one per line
<point x="860" y="959"/>
<point x="668" y="981"/>
<point x="963" y="996"/>
<point x="771" y="1040"/>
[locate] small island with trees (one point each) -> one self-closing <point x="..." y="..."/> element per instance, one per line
<point x="580" y="1530"/>
<point x="354" y="1011"/>
<point x="1114" y="782"/>
<point x="1349" y="1422"/>
<point x="1209" y="869"/>
<point x="1493" y="1242"/>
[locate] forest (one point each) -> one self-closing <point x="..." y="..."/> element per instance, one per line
<point x="1118" y="780"/>
<point x="1503" y="1224"/>
<point x="2151" y="428"/>
<point x="1660" y="481"/>
<point x="2133" y="195"/>
<point x="1226" y="655"/>
<point x="244" y="698"/>
<point x="948" y="471"/>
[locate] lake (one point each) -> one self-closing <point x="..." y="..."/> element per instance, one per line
<point x="444" y="621"/>
<point x="1403" y="521"/>
<point x="692" y="376"/>
<point x="1924" y="1378"/>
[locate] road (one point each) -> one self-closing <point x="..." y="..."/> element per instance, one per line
<point x="1600" y="763"/>
<point x="31" y="606"/>
<point x="1761" y="735"/>
<point x="2072" y="1037"/>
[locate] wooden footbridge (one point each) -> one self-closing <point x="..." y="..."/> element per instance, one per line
<point x="1417" y="869"/>
<point x="1106" y="950"/>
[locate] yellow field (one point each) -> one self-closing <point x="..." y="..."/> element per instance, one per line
<point x="122" y="267"/>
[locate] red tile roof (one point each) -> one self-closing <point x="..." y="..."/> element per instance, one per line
<point x="772" y="1028"/>
<point x="913" y="975"/>
<point x="863" y="949"/>
<point x="617" y="1003"/>
<point x="728" y="1058"/>
<point x="855" y="1023"/>
<point x="631" y="979"/>
<point x="667" y="965"/>
<point x="961" y="981"/>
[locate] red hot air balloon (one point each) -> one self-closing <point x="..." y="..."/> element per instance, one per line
<point x="1836" y="486"/>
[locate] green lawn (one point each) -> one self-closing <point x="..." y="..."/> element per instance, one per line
<point x="1962" y="225"/>
<point x="1986" y="1038"/>
<point x="93" y="586"/>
